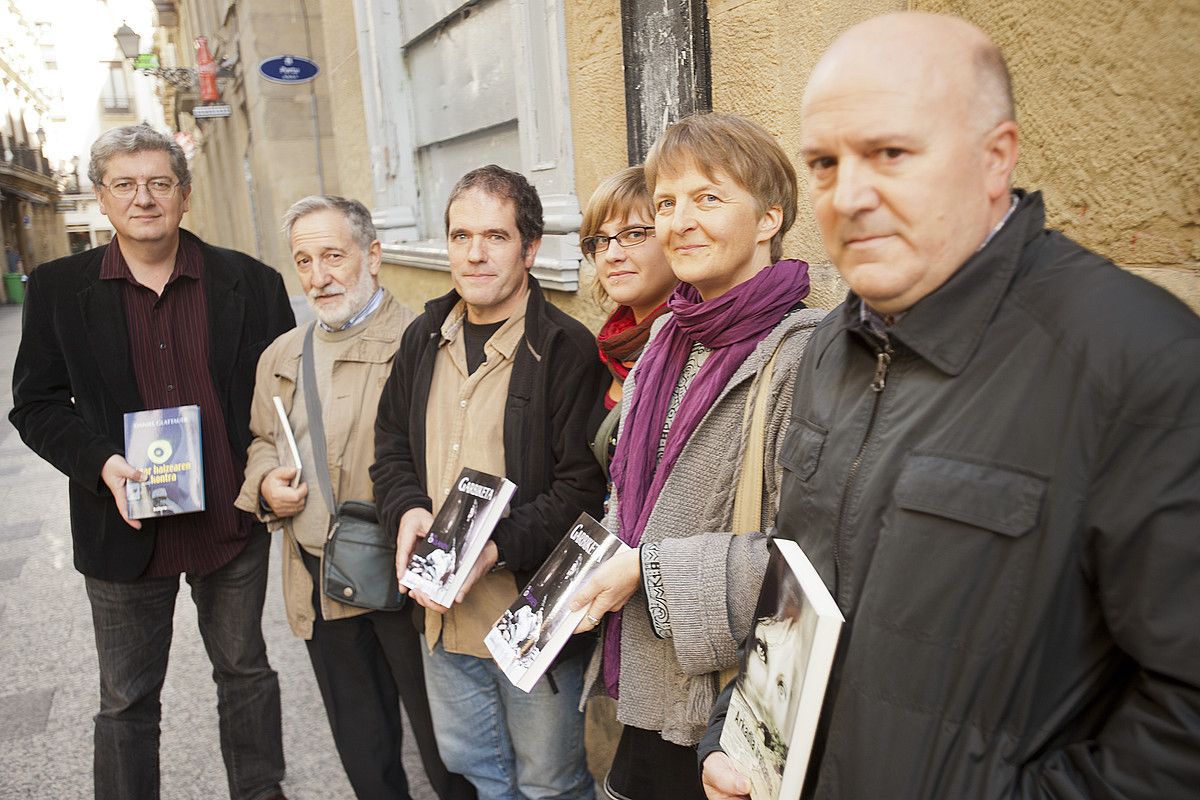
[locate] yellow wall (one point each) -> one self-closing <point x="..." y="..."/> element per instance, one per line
<point x="414" y="287"/>
<point x="1106" y="94"/>
<point x="270" y="130"/>
<point x="1109" y="107"/>
<point x="352" y="158"/>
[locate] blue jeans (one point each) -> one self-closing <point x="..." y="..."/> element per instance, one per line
<point x="510" y="745"/>
<point x="133" y="623"/>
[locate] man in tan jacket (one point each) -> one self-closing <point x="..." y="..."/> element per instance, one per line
<point x="365" y="661"/>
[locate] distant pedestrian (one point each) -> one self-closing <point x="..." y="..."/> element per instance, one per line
<point x="12" y="259"/>
<point x="157" y="318"/>
<point x="365" y="661"/>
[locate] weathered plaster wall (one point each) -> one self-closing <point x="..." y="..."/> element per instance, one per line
<point x="1108" y="103"/>
<point x="415" y="286"/>
<point x="762" y="52"/>
<point x="596" y="80"/>
<point x="271" y="129"/>
<point x="352" y="157"/>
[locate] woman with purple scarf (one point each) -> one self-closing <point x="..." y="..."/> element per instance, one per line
<point x="675" y="608"/>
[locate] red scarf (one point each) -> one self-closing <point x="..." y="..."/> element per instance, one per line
<point x="622" y="338"/>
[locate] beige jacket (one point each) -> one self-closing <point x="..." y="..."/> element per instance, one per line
<point x="349" y="433"/>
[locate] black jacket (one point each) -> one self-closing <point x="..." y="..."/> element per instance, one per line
<point x="1011" y="526"/>
<point x="73" y="380"/>
<point x="555" y="381"/>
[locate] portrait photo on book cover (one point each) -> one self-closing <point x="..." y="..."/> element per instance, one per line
<point x="775" y="659"/>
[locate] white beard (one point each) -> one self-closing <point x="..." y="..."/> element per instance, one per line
<point x="352" y="300"/>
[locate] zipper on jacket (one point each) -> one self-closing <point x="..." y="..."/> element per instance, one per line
<point x="883" y="360"/>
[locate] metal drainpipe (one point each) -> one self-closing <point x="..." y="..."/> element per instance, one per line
<point x="258" y="237"/>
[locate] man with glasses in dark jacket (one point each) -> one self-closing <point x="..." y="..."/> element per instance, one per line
<point x="994" y="460"/>
<point x="157" y="318"/>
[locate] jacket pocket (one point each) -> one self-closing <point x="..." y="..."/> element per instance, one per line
<point x="993" y="498"/>
<point x="960" y="526"/>
<point x="801" y="451"/>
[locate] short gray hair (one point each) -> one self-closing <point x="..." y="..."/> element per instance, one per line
<point x="355" y="213"/>
<point x="136" y="139"/>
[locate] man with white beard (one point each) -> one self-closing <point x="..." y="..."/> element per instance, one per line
<point x="365" y="661"/>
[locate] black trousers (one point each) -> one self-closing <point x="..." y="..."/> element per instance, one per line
<point x="365" y="667"/>
<point x="648" y="767"/>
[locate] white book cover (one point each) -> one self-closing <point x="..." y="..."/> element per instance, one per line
<point x="290" y="436"/>
<point x="776" y="702"/>
<point x="442" y="560"/>
<point x="535" y="628"/>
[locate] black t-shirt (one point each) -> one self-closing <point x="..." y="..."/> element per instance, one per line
<point x="474" y="338"/>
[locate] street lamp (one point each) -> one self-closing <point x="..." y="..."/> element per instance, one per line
<point x="129" y="41"/>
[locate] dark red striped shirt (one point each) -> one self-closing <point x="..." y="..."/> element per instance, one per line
<point x="168" y="342"/>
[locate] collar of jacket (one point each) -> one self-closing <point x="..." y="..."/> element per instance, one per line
<point x="104" y="316"/>
<point x="535" y="315"/>
<point x="946" y="327"/>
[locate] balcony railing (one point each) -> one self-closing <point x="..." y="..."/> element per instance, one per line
<point x="29" y="158"/>
<point x="116" y="105"/>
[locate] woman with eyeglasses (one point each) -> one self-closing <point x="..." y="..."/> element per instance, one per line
<point x="695" y="476"/>
<point x="617" y="236"/>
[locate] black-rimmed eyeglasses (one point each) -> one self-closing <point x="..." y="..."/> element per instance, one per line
<point x="630" y="237"/>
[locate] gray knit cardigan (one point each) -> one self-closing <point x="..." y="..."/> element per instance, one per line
<point x="711" y="579"/>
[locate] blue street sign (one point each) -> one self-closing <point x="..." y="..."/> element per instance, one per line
<point x="289" y="69"/>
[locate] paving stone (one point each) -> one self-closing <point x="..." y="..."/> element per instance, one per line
<point x="24" y="714"/>
<point x="48" y="658"/>
<point x="11" y="568"/>
<point x="20" y="530"/>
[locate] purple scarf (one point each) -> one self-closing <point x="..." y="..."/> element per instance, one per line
<point x="731" y="325"/>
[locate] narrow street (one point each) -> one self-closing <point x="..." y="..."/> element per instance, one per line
<point x="48" y="659"/>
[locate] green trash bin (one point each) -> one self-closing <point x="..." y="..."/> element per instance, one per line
<point x="14" y="285"/>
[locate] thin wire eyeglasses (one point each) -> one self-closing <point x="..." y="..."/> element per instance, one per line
<point x="125" y="189"/>
<point x="630" y="237"/>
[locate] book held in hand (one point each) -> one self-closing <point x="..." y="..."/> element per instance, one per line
<point x="442" y="561"/>
<point x="286" y="426"/>
<point x="532" y="631"/>
<point x="776" y="701"/>
<point x="164" y="444"/>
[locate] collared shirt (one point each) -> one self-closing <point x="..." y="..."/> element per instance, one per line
<point x="465" y="428"/>
<point x="169" y="347"/>
<point x="365" y="312"/>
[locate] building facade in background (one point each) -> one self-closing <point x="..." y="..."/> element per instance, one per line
<point x="411" y="95"/>
<point x="276" y="144"/>
<point x="29" y="191"/>
<point x="95" y="89"/>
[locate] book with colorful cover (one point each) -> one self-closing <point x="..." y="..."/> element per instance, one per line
<point x="776" y="703"/>
<point x="442" y="560"/>
<point x="165" y="445"/>
<point x="532" y="631"/>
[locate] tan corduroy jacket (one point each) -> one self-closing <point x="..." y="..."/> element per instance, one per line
<point x="358" y="378"/>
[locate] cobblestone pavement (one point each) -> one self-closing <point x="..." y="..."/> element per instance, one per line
<point x="49" y="690"/>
